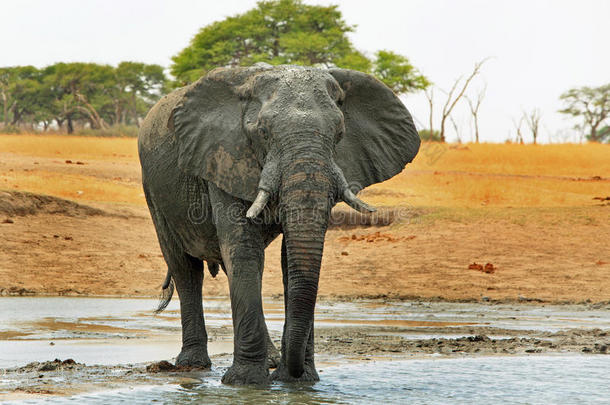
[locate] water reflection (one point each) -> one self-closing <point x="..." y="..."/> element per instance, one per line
<point x="507" y="380"/>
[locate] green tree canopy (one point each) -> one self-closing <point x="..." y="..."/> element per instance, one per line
<point x="18" y="86"/>
<point x="592" y="105"/>
<point x="398" y="73"/>
<point x="99" y="95"/>
<point x="288" y="32"/>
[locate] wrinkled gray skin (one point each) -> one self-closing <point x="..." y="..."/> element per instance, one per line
<point x="244" y="154"/>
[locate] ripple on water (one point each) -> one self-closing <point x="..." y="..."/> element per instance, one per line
<point x="533" y="380"/>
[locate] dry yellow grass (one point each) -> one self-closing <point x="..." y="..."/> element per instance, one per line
<point x="76" y="187"/>
<point x="70" y="147"/>
<point x="571" y="160"/>
<point x="37" y="163"/>
<point x="472" y="175"/>
<point x="500" y="175"/>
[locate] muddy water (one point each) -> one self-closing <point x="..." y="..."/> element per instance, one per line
<point x="366" y="350"/>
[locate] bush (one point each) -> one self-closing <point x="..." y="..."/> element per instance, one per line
<point x="430" y="136"/>
<point x="10" y="129"/>
<point x="123" y="131"/>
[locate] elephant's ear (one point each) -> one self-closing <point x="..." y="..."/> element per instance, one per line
<point x="208" y="127"/>
<point x="380" y="137"/>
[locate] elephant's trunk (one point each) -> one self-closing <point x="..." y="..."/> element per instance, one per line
<point x="305" y="197"/>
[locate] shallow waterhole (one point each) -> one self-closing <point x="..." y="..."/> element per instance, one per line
<point x="507" y="380"/>
<point x="109" y="331"/>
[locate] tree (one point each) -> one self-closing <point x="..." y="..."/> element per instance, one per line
<point x="474" y="110"/>
<point x="87" y="93"/>
<point x="81" y="90"/>
<point x="137" y="81"/>
<point x="453" y="100"/>
<point x="276" y="32"/>
<point x="288" y="32"/>
<point x="518" y="125"/>
<point x="18" y="87"/>
<point x="591" y="104"/>
<point x="398" y="73"/>
<point x="532" y="119"/>
<point x="603" y="134"/>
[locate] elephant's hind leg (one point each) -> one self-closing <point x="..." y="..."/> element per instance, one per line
<point x="188" y="277"/>
<point x="187" y="272"/>
<point x="242" y="248"/>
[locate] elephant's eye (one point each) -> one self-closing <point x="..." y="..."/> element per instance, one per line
<point x="262" y="131"/>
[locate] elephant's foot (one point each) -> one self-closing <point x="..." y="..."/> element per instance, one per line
<point x="247" y="374"/>
<point x="309" y="373"/>
<point x="194" y="357"/>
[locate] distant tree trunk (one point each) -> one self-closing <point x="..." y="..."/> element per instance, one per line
<point x="70" y="124"/>
<point x="276" y="41"/>
<point x="430" y="97"/>
<point x="456" y="129"/>
<point x="16" y="115"/>
<point x="60" y="123"/>
<point x="134" y="101"/>
<point x="91" y="112"/>
<point x="518" y="125"/>
<point x="117" y="113"/>
<point x="533" y="122"/>
<point x="93" y="122"/>
<point x="5" y="104"/>
<point x="594" y="134"/>
<point x="474" y="110"/>
<point x="442" y="133"/>
<point x="476" y="130"/>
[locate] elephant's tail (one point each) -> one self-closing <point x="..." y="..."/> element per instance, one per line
<point x="166" y="293"/>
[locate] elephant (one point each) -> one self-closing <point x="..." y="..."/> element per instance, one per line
<point x="243" y="155"/>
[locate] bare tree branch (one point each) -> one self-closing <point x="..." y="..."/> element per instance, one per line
<point x="456" y="129"/>
<point x="451" y="101"/>
<point x="429" y="92"/>
<point x="474" y="109"/>
<point x="518" y="125"/>
<point x="90" y="110"/>
<point x="532" y="119"/>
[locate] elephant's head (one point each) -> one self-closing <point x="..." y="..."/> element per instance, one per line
<point x="304" y="138"/>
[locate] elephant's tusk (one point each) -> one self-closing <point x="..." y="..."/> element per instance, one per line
<point x="356" y="203"/>
<point x="347" y="195"/>
<point x="258" y="205"/>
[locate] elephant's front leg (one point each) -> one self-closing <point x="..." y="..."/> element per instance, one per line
<point x="242" y="247"/>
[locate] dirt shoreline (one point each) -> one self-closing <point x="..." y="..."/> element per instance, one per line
<point x="345" y="298"/>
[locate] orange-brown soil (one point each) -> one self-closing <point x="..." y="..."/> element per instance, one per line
<point x="549" y="255"/>
<point x="544" y="236"/>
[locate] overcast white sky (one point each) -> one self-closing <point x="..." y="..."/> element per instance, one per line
<point x="540" y="48"/>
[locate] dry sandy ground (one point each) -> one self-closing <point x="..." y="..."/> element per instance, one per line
<point x="550" y="255"/>
<point x="536" y="223"/>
